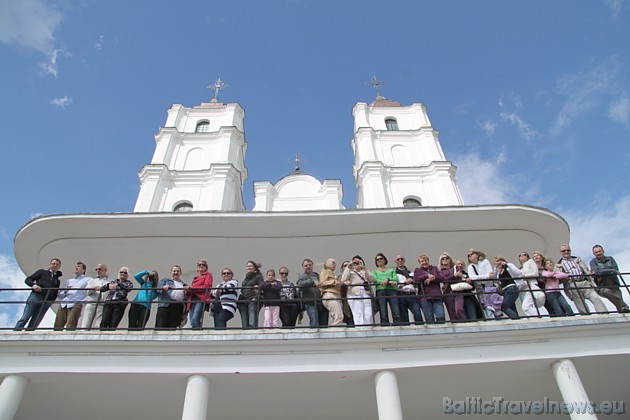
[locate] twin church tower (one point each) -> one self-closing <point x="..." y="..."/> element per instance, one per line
<point x="199" y="163"/>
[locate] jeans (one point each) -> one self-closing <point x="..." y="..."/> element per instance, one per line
<point x="195" y="314"/>
<point x="221" y="318"/>
<point x="36" y="307"/>
<point x="311" y="311"/>
<point x="383" y="297"/>
<point x="409" y="302"/>
<point x="249" y="313"/>
<point x="510" y="296"/>
<point x="433" y="310"/>
<point x="559" y="304"/>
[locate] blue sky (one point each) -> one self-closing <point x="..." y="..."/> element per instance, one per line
<point x="531" y="98"/>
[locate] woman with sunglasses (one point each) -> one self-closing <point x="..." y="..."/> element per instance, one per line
<point x="225" y="296"/>
<point x="359" y="283"/>
<point x="386" y="290"/>
<point x="289" y="302"/>
<point x="453" y="300"/>
<point x="199" y="294"/>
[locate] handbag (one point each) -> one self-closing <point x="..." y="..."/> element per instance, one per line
<point x="462" y="286"/>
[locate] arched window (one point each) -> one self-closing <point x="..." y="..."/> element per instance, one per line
<point x="185" y="206"/>
<point x="411" y="202"/>
<point x="391" y="124"/>
<point x="202" y="127"/>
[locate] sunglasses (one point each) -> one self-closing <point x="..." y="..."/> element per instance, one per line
<point x="283" y="273"/>
<point x="225" y="273"/>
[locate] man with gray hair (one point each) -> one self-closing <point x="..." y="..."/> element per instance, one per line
<point x="93" y="307"/>
<point x="579" y="287"/>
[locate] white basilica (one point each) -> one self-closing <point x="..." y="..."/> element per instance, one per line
<point x="190" y="206"/>
<point x="199" y="164"/>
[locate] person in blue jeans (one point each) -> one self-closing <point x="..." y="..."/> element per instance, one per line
<point x="308" y="284"/>
<point x="248" y="304"/>
<point x="386" y="290"/>
<point x="505" y="272"/>
<point x="45" y="287"/>
<point x="428" y="278"/>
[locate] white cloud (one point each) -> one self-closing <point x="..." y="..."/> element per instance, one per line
<point x="489" y="126"/>
<point x="511" y="107"/>
<point x="619" y="110"/>
<point x="50" y="66"/>
<point x="99" y="43"/>
<point x="585" y="91"/>
<point x="615" y="6"/>
<point x="29" y="24"/>
<point x="62" y="102"/>
<point x="478" y="179"/>
<point x="526" y="130"/>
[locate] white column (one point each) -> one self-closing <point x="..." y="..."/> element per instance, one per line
<point x="11" y="392"/>
<point x="571" y="386"/>
<point x="387" y="396"/>
<point x="196" y="401"/>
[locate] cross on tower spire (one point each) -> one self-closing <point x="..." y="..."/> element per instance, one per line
<point x="297" y="163"/>
<point x="217" y="86"/>
<point x="375" y="83"/>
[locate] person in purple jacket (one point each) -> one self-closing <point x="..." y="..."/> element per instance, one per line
<point x="454" y="301"/>
<point x="428" y="278"/>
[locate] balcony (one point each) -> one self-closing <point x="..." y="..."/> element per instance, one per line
<point x="368" y="372"/>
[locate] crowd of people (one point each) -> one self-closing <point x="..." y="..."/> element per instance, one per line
<point x="355" y="296"/>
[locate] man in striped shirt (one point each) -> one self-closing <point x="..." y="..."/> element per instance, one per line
<point x="579" y="287"/>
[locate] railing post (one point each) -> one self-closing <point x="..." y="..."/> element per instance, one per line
<point x="11" y="392"/>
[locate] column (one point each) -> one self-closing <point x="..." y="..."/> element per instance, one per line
<point x="196" y="400"/>
<point x="571" y="386"/>
<point x="387" y="396"/>
<point x="11" y="392"/>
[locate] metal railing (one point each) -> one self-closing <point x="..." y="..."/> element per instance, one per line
<point x="582" y="287"/>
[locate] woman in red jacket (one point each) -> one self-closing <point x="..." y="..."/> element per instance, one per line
<point x="199" y="294"/>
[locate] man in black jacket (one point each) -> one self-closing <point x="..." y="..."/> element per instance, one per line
<point x="45" y="285"/>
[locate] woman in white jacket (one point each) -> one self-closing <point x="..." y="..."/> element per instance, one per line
<point x="531" y="295"/>
<point x="359" y="282"/>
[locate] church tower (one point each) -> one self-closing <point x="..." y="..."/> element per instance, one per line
<point x="398" y="160"/>
<point x="199" y="160"/>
